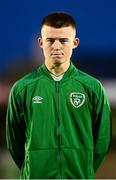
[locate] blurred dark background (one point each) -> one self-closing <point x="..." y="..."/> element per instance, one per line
<point x="20" y="54"/>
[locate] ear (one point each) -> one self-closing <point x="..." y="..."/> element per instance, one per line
<point x="40" y="42"/>
<point x="76" y="42"/>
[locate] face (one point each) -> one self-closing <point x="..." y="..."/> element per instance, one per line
<point x="57" y="44"/>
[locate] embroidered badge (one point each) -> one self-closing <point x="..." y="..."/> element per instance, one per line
<point x="77" y="99"/>
<point x="37" y="99"/>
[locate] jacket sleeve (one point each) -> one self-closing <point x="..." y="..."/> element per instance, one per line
<point x="101" y="126"/>
<point x="15" y="129"/>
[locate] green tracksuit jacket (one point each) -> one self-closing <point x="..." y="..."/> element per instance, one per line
<point x="58" y="129"/>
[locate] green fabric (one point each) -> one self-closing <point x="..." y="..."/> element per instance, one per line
<point x="58" y="129"/>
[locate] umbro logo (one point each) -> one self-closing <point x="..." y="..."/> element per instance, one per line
<point x="37" y="99"/>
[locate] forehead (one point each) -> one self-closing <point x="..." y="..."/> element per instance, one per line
<point x="64" y="32"/>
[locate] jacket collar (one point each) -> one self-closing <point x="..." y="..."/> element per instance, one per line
<point x="43" y="70"/>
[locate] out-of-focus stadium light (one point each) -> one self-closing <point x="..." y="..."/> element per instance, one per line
<point x="110" y="87"/>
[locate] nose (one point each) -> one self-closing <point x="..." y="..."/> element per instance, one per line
<point x="56" y="45"/>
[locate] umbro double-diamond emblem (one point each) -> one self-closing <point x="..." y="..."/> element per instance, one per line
<point x="37" y="99"/>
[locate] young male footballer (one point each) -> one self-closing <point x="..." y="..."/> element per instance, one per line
<point x="58" y="117"/>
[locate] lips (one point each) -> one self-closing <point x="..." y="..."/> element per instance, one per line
<point x="57" y="54"/>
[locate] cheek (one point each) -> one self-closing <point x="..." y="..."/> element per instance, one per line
<point x="46" y="50"/>
<point x="68" y="50"/>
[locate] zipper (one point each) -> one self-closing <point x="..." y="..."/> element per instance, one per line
<point x="57" y="84"/>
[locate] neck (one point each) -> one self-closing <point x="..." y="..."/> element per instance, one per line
<point x="58" y="69"/>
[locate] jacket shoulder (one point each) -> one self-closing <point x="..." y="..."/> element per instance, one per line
<point x="89" y="82"/>
<point x="27" y="80"/>
<point x="87" y="78"/>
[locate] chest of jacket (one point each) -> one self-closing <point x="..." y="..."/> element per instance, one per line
<point x="59" y="114"/>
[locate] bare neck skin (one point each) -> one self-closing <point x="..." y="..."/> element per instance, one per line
<point x="57" y="69"/>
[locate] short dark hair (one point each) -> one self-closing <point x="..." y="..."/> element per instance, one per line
<point x="58" y="20"/>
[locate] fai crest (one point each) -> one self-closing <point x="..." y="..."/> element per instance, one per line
<point x="77" y="99"/>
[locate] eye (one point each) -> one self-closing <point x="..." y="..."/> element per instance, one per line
<point x="63" y="41"/>
<point x="50" y="41"/>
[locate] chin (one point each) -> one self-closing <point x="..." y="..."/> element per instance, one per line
<point x="57" y="61"/>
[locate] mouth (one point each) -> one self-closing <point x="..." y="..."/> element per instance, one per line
<point x="57" y="54"/>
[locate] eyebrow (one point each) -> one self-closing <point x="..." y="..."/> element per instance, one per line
<point x="57" y="38"/>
